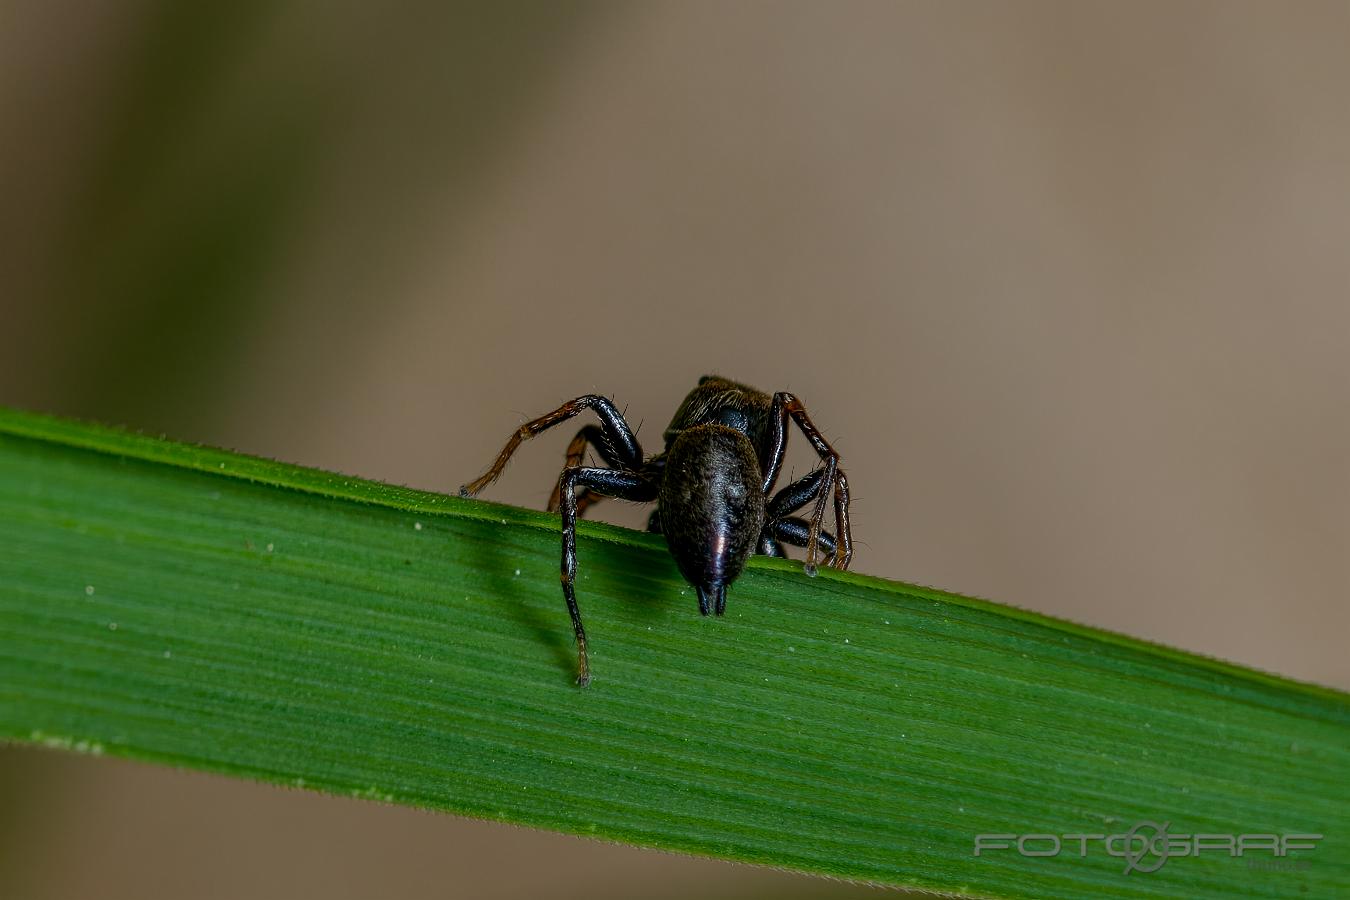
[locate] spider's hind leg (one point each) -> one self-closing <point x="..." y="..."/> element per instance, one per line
<point x="833" y="482"/>
<point x="797" y="532"/>
<point x="779" y="524"/>
<point x="610" y="483"/>
<point x="615" y="437"/>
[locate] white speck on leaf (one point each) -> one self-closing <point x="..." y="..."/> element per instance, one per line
<point x="89" y="590"/>
<point x="112" y="626"/>
<point x="269" y="547"/>
<point x="417" y="526"/>
<point x="517" y="571"/>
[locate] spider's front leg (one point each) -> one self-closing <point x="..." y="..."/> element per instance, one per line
<point x="832" y="481"/>
<point x="610" y="483"/>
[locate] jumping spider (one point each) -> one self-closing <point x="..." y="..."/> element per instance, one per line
<point x="713" y="487"/>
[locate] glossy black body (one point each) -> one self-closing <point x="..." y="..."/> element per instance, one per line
<point x="713" y="486"/>
<point x="711" y="508"/>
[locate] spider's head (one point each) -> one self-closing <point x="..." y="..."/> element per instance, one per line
<point x="712" y="508"/>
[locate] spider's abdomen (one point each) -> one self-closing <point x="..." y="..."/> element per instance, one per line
<point x="712" y="507"/>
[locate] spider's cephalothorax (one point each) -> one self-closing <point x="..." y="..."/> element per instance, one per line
<point x="713" y="486"/>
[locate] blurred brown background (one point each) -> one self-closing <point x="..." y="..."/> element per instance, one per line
<point x="1066" y="283"/>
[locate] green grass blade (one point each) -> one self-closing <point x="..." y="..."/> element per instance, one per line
<point x="200" y="608"/>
